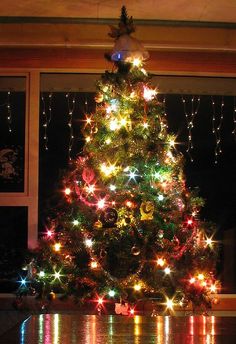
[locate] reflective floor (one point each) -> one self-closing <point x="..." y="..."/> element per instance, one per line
<point x="113" y="329"/>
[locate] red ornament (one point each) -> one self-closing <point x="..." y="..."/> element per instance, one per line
<point x="88" y="175"/>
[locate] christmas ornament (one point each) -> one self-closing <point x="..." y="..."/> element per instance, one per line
<point x="184" y="302"/>
<point x="103" y="253"/>
<point x="88" y="175"/>
<point x="216" y="300"/>
<point x="160" y="233"/>
<point x="99" y="98"/>
<point x="146" y="210"/>
<point x="135" y="250"/>
<point x="109" y="217"/>
<point x="51" y="296"/>
<point x="126" y="48"/>
<point x="97" y="224"/>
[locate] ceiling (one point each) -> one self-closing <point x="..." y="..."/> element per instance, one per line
<point x="221" y="11"/>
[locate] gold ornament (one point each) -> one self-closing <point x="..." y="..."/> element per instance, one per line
<point x="97" y="224"/>
<point x="147" y="210"/>
<point x="99" y="98"/>
<point x="135" y="250"/>
<point x="51" y="296"/>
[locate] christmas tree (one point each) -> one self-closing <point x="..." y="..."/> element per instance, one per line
<point x="130" y="228"/>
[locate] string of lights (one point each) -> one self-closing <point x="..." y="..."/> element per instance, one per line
<point x="234" y="118"/>
<point x="216" y="128"/>
<point x="9" y="112"/>
<point x="190" y="117"/>
<point x="47" y="116"/>
<point x="71" y="107"/>
<point x="164" y="124"/>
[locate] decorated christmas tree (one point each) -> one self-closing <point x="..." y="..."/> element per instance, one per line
<point x="130" y="228"/>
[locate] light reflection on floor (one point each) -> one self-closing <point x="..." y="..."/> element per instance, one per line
<point x="112" y="329"/>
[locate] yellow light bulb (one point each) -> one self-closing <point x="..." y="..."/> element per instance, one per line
<point x="88" y="242"/>
<point x="169" y="303"/>
<point x="41" y="274"/>
<point x="137" y="287"/>
<point x="88" y="120"/>
<point x="148" y="93"/>
<point x="57" y="275"/>
<point x="209" y="242"/>
<point x="200" y="277"/>
<point x="67" y="191"/>
<point x="90" y="189"/>
<point x="108" y="141"/>
<point x="167" y="270"/>
<point x="57" y="247"/>
<point x="101" y="203"/>
<point x="123" y="121"/>
<point x="137" y="62"/>
<point x="213" y="288"/>
<point x="94" y="264"/>
<point x="160" y="261"/>
<point x="107" y="169"/>
<point x="114" y="125"/>
<point x="112" y="187"/>
<point x="88" y="139"/>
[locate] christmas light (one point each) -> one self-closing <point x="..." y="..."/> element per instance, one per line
<point x="107" y="170"/>
<point x="169" y="303"/>
<point x="101" y="203"/>
<point x="132" y="175"/>
<point x="111" y="293"/>
<point x="57" y="247"/>
<point x="42" y="274"/>
<point x="112" y="187"/>
<point x="57" y="275"/>
<point x="145" y="125"/>
<point x="160" y="262"/>
<point x="88" y="139"/>
<point x="75" y="222"/>
<point x="114" y="125"/>
<point x="123" y="122"/>
<point x="100" y="300"/>
<point x="129" y="204"/>
<point x="190" y="117"/>
<point x="88" y="120"/>
<point x="67" y="191"/>
<point x="209" y="242"/>
<point x="148" y="94"/>
<point x="23" y="282"/>
<point x="192" y="280"/>
<point x="94" y="264"/>
<point x="137" y="287"/>
<point x="108" y="141"/>
<point x="88" y="243"/>
<point x="213" y="288"/>
<point x="172" y="143"/>
<point x="160" y="198"/>
<point x="49" y="233"/>
<point x="167" y="270"/>
<point x="131" y="311"/>
<point x="90" y="189"/>
<point x="201" y="277"/>
<point x="136" y="62"/>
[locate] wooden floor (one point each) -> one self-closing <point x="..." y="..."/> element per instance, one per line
<point x="75" y="328"/>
